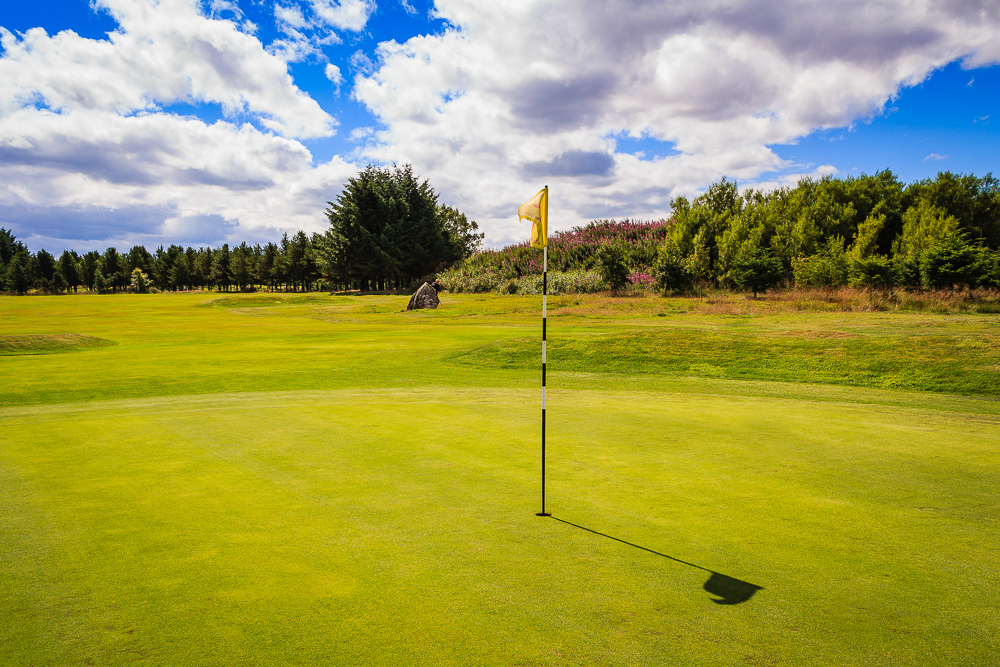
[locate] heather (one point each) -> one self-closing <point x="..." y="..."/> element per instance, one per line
<point x="574" y="260"/>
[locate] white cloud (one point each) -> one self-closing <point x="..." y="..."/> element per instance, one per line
<point x="360" y="62"/>
<point x="502" y="102"/>
<point x="162" y="53"/>
<point x="89" y="156"/>
<point x="333" y="74"/>
<point x="360" y="133"/>
<point x="935" y="157"/>
<point x="134" y="178"/>
<point x="344" y="14"/>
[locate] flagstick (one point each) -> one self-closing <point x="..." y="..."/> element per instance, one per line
<point x="545" y="285"/>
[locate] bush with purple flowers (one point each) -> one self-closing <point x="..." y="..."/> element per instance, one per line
<point x="573" y="260"/>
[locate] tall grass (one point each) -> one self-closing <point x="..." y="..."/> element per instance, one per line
<point x="572" y="260"/>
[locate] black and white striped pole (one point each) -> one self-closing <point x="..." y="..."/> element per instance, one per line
<point x="537" y="211"/>
<point x="545" y="290"/>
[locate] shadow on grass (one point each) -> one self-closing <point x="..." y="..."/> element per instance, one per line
<point x="728" y="589"/>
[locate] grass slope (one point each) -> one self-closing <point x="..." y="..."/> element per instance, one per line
<point x="305" y="481"/>
<point x="944" y="359"/>
<point x="48" y="344"/>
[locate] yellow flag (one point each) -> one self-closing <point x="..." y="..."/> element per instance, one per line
<point x="537" y="210"/>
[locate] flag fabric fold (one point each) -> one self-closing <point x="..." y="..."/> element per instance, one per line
<point x="537" y="210"/>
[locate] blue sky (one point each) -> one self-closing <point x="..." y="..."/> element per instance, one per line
<point x="207" y="122"/>
<point x="947" y="123"/>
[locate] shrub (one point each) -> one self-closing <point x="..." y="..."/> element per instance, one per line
<point x="950" y="262"/>
<point x="827" y="268"/>
<point x="612" y="267"/>
<point x="873" y="271"/>
<point x="757" y="270"/>
<point x="669" y="269"/>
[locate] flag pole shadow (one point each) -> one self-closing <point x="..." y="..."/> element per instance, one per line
<point x="729" y="590"/>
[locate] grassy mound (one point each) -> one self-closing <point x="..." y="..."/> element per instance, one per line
<point x="937" y="362"/>
<point x="11" y="345"/>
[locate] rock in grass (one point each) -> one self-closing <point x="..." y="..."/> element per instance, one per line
<point x="425" y="297"/>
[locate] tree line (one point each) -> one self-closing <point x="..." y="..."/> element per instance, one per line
<point x="870" y="231"/>
<point x="288" y="265"/>
<point x="867" y="231"/>
<point x="387" y="230"/>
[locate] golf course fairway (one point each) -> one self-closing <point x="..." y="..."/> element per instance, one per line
<point x="211" y="479"/>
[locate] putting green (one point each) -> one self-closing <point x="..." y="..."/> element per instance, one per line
<point x="385" y="515"/>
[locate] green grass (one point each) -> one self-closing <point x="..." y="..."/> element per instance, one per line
<point x="959" y="361"/>
<point x="329" y="480"/>
<point x="48" y="344"/>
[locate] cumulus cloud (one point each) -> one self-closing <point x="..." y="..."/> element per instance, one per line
<point x="504" y="99"/>
<point x="88" y="156"/>
<point x="92" y="178"/>
<point x="344" y="14"/>
<point x="508" y="97"/>
<point x="163" y="53"/>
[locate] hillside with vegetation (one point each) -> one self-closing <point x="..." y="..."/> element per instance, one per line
<point x="575" y="260"/>
<point x="870" y="231"/>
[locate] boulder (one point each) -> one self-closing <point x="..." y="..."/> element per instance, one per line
<point x="425" y="297"/>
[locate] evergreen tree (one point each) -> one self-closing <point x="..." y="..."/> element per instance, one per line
<point x="221" y="276"/>
<point x="951" y="262"/>
<point x="242" y="266"/>
<point x="974" y="202"/>
<point x="113" y="269"/>
<point x="162" y="264"/>
<point x="295" y="259"/>
<point x="9" y="245"/>
<point x="89" y="264"/>
<point x="757" y="270"/>
<point x="201" y="271"/>
<point x="18" y="275"/>
<point x="69" y="269"/>
<point x="44" y="269"/>
<point x="138" y="258"/>
<point x="180" y="272"/>
<point x="923" y="226"/>
<point x="266" y="266"/>
<point x="100" y="283"/>
<point x="385" y="229"/>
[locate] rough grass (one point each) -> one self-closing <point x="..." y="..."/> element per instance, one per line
<point x="48" y="344"/>
<point x="309" y="483"/>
